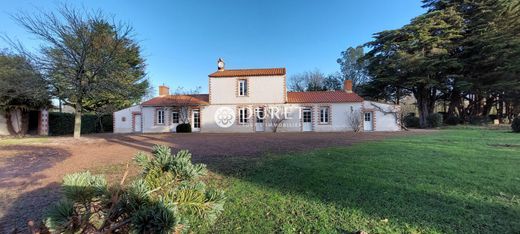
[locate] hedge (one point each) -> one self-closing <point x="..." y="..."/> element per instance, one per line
<point x="410" y="121"/>
<point x="434" y="120"/>
<point x="184" y="127"/>
<point x="516" y="124"/>
<point x="63" y="123"/>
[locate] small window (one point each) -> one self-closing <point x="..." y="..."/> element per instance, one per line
<point x="242" y="87"/>
<point x="196" y="119"/>
<point x="242" y="116"/>
<point x="324" y="115"/>
<point x="368" y="116"/>
<point x="260" y="115"/>
<point x="123" y="119"/>
<point x="160" y="116"/>
<point x="175" y="116"/>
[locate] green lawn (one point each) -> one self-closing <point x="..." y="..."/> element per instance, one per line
<point x="454" y="181"/>
<point x="23" y="140"/>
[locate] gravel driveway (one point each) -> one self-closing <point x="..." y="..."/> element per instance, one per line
<point x="30" y="173"/>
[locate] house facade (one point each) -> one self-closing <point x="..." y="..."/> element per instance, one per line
<point x="256" y="100"/>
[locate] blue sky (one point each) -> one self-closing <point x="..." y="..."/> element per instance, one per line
<point x="182" y="40"/>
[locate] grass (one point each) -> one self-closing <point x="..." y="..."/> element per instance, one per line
<point x="22" y="140"/>
<point x="455" y="181"/>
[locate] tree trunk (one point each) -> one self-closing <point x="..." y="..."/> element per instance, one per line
<point x="77" y="122"/>
<point x="423" y="105"/>
<point x="100" y="119"/>
<point x="486" y="108"/>
<point x="15" y="122"/>
<point x="454" y="102"/>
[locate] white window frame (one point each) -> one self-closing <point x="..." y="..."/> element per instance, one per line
<point x="196" y="121"/>
<point x="242" y="116"/>
<point x="160" y="116"/>
<point x="175" y="120"/>
<point x="368" y="116"/>
<point x="242" y="87"/>
<point x="324" y="115"/>
<point x="260" y="114"/>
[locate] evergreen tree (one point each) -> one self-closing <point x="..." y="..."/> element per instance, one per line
<point x="22" y="88"/>
<point x="89" y="61"/>
<point x="417" y="58"/>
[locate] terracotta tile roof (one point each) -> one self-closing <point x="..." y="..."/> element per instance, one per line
<point x="249" y="72"/>
<point x="322" y="97"/>
<point x="173" y="100"/>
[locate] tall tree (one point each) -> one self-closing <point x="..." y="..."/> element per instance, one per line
<point x="354" y="67"/>
<point x="489" y="53"/>
<point x="22" y="88"/>
<point x="418" y="57"/>
<point x="89" y="60"/>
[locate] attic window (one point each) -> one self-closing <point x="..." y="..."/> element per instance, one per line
<point x="242" y="88"/>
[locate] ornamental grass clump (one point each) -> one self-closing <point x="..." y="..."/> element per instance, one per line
<point x="167" y="197"/>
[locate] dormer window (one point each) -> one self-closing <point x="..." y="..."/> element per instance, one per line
<point x="242" y="88"/>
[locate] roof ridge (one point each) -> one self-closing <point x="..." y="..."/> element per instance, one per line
<point x="245" y="69"/>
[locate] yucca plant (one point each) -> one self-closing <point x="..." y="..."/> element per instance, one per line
<point x="167" y="197"/>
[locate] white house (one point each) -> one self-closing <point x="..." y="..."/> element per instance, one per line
<point x="256" y="100"/>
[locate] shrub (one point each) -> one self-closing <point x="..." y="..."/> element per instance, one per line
<point x="452" y="120"/>
<point x="434" y="120"/>
<point x="184" y="127"/>
<point x="479" y="120"/>
<point x="169" y="196"/>
<point x="410" y="121"/>
<point x="515" y="125"/>
<point x="63" y="123"/>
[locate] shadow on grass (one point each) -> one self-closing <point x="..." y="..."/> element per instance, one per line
<point x="379" y="193"/>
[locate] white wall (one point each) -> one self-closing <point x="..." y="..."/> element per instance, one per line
<point x="384" y="122"/>
<point x="149" y="116"/>
<point x="338" y="120"/>
<point x="125" y="126"/>
<point x="261" y="89"/>
<point x="340" y="113"/>
<point x="3" y="125"/>
<point x="149" y="121"/>
<point x="208" y="123"/>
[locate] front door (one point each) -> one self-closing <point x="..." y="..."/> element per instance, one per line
<point x="367" y="124"/>
<point x="137" y="123"/>
<point x="307" y="120"/>
<point x="259" y="119"/>
<point x="195" y="116"/>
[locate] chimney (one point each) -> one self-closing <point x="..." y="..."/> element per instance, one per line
<point x="164" y="90"/>
<point x="347" y="86"/>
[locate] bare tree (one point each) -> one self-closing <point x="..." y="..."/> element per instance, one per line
<point x="276" y="116"/>
<point x="185" y="99"/>
<point x="354" y="120"/>
<point x="394" y="110"/>
<point x="308" y="81"/>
